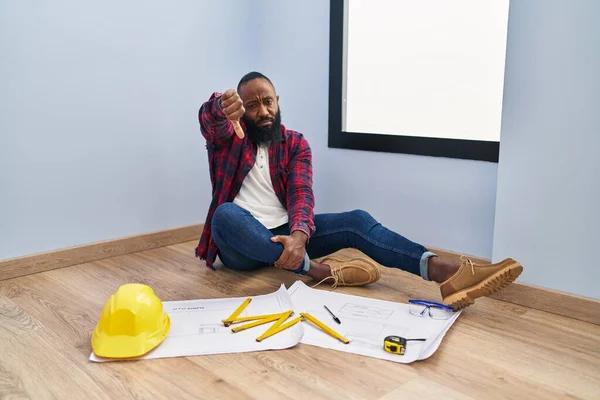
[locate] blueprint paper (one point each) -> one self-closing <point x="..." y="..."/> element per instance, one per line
<point x="197" y="327"/>
<point x="365" y="322"/>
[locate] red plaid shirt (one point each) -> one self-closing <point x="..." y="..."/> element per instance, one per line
<point x="231" y="158"/>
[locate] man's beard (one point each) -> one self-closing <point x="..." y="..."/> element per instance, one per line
<point x="264" y="134"/>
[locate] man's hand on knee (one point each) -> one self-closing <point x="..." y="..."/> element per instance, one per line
<point x="294" y="249"/>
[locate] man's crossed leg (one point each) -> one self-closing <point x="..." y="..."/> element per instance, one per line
<point x="245" y="244"/>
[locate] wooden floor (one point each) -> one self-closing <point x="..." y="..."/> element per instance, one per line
<point x="495" y="350"/>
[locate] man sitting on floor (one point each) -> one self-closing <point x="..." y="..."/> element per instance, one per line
<point x="262" y="208"/>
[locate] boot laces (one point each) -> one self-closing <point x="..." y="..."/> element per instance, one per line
<point x="467" y="260"/>
<point x="336" y="275"/>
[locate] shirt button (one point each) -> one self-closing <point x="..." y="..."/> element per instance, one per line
<point x="261" y="167"/>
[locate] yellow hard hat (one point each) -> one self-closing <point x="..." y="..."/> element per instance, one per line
<point x="131" y="324"/>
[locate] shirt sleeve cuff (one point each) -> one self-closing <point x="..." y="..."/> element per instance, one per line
<point x="302" y="228"/>
<point x="217" y="107"/>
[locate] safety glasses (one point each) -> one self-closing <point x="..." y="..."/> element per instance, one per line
<point x="424" y="308"/>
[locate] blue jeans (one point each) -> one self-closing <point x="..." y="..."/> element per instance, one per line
<point x="244" y="243"/>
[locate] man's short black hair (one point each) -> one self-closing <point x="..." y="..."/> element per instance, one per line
<point x="250" y="76"/>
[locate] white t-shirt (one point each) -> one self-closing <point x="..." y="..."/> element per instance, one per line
<point x="257" y="195"/>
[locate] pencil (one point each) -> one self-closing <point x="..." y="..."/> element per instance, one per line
<point x="257" y="323"/>
<point x="237" y="311"/>
<point x="325" y="328"/>
<point x="336" y="319"/>
<point x="270" y="332"/>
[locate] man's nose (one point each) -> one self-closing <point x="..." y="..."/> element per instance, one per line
<point x="262" y="111"/>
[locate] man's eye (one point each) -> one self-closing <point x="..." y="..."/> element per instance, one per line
<point x="269" y="102"/>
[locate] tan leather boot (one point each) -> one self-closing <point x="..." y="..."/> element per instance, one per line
<point x="475" y="280"/>
<point x="355" y="272"/>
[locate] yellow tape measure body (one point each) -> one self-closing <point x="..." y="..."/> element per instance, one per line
<point x="394" y="345"/>
<point x="397" y="344"/>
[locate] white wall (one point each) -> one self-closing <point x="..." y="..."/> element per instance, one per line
<point x="548" y="212"/>
<point x="99" y="136"/>
<point x="420" y="197"/>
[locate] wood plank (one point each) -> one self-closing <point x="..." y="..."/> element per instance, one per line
<point x="37" y="363"/>
<point x="495" y="349"/>
<point x="27" y="345"/>
<point x="552" y="301"/>
<point x="306" y="372"/>
<point x="421" y="388"/>
<point x="31" y="264"/>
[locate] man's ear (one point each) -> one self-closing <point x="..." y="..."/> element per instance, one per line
<point x="277" y="98"/>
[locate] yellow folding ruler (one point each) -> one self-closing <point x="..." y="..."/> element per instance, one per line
<point x="277" y="326"/>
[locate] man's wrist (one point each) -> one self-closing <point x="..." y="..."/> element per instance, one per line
<point x="300" y="236"/>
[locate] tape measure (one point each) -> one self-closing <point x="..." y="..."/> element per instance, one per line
<point x="397" y="344"/>
<point x="394" y="344"/>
